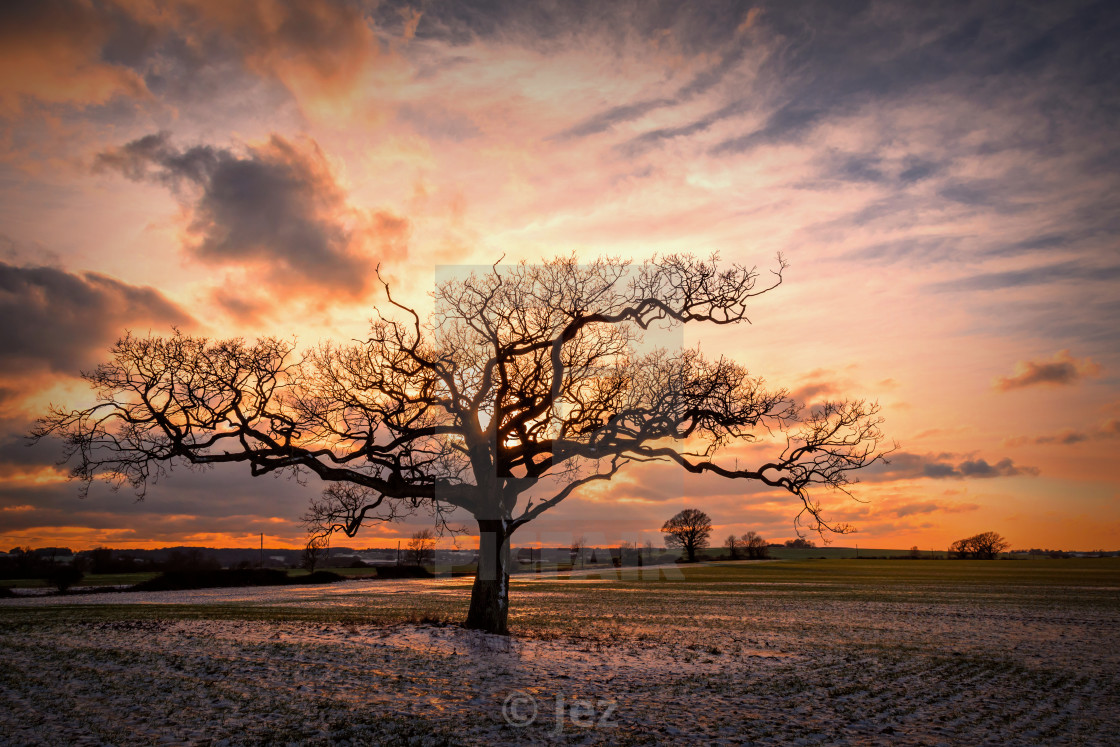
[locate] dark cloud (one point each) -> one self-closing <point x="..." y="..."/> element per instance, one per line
<point x="828" y="60"/>
<point x="185" y="503"/>
<point x="63" y="322"/>
<point x="18" y="453"/>
<point x="276" y="210"/>
<point x="1061" y="370"/>
<point x="699" y="84"/>
<point x="704" y="81"/>
<point x="908" y="466"/>
<point x="1002" y="195"/>
<point x="607" y="119"/>
<point x="860" y="169"/>
<point x="1002" y="468"/>
<point x="650" y="138"/>
<point x="789" y="123"/>
<point x="1079" y="271"/>
<point x="18" y="253"/>
<point x="917" y="169"/>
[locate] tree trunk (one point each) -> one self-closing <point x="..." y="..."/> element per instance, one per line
<point x="489" y="609"/>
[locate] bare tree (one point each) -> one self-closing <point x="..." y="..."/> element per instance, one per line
<point x="524" y="385"/>
<point x="577" y="550"/>
<point x="757" y="547"/>
<point x="983" y="546"/>
<point x="689" y="530"/>
<point x="629" y="553"/>
<point x="312" y="552"/>
<point x="421" y="546"/>
<point x="732" y="544"/>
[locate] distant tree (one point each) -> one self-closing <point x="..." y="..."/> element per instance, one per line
<point x="630" y="553"/>
<point x="757" y="547"/>
<point x="312" y="553"/>
<point x="689" y="530"/>
<point x="24" y="558"/>
<point x="915" y="552"/>
<point x="594" y="558"/>
<point x="988" y="545"/>
<point x="577" y="549"/>
<point x="191" y="561"/>
<point x="732" y="544"/>
<point x="983" y="546"/>
<point x="421" y="546"/>
<point x="101" y="560"/>
<point x="800" y="542"/>
<point x="64" y="576"/>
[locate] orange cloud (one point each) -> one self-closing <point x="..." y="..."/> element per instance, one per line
<point x="1062" y="369"/>
<point x="1068" y="436"/>
<point x="81" y="53"/>
<point x="324" y="53"/>
<point x="53" y="52"/>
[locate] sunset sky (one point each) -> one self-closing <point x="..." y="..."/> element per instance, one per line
<point x="944" y="182"/>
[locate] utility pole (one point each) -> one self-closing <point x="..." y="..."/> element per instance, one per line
<point x="262" y="549"/>
<point x="398" y="552"/>
<point x="857" y="550"/>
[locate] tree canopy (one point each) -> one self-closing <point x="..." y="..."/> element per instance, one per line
<point x="689" y="530"/>
<point x="983" y="546"/>
<point x="523" y="386"/>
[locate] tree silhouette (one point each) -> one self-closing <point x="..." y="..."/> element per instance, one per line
<point x="523" y="386"/>
<point x="689" y="530"/>
<point x="757" y="547"/>
<point x="983" y="546"/>
<point x="421" y="546"/>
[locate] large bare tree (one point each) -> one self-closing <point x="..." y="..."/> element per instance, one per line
<point x="524" y="385"/>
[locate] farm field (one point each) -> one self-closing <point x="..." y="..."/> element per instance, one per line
<point x="780" y="652"/>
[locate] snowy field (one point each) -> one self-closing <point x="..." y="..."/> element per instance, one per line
<point x="826" y="652"/>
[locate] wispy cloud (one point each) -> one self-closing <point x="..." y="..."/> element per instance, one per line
<point x="1069" y="436"/>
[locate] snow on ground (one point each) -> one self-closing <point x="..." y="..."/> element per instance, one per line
<point x="656" y="664"/>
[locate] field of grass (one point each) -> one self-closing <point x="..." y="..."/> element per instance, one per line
<point x="819" y="651"/>
<point x="90" y="579"/>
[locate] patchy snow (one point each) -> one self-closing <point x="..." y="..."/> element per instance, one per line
<point x="640" y="664"/>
